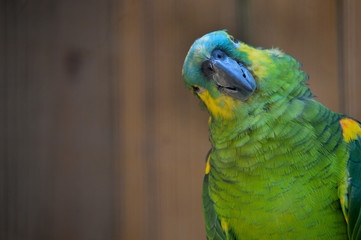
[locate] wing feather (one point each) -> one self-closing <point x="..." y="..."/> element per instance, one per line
<point x="352" y="205"/>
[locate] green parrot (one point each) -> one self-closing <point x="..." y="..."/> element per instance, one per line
<point x="282" y="165"/>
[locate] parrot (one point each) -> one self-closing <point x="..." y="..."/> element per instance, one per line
<point x="281" y="164"/>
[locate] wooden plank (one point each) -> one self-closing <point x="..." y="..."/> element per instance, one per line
<point x="350" y="50"/>
<point x="132" y="95"/>
<point x="114" y="39"/>
<point x="60" y="137"/>
<point x="307" y="31"/>
<point x="3" y="126"/>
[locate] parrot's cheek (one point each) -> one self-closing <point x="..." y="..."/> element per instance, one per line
<point x="223" y="106"/>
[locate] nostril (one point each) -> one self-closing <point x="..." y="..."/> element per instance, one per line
<point x="207" y="68"/>
<point x="244" y="75"/>
<point x="218" y="54"/>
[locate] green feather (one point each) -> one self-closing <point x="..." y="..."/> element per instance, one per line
<point x="213" y="225"/>
<point x="354" y="191"/>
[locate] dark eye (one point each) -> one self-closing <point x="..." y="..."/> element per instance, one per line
<point x="234" y="40"/>
<point x="195" y="89"/>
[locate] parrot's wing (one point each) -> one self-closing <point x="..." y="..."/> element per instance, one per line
<point x="213" y="225"/>
<point x="351" y="188"/>
<point x="354" y="191"/>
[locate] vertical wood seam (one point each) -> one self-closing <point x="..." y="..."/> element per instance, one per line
<point x="149" y="139"/>
<point x="5" y="176"/>
<point x="341" y="54"/>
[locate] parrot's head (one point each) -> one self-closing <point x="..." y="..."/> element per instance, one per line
<point x="231" y="77"/>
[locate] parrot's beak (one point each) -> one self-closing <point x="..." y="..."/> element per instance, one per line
<point x="231" y="77"/>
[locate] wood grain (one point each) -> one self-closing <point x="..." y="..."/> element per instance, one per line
<point x="349" y="56"/>
<point x="58" y="126"/>
<point x="100" y="138"/>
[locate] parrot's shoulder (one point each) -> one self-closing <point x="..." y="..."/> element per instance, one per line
<point x="351" y="129"/>
<point x="351" y="188"/>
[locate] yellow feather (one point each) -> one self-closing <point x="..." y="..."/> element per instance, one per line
<point x="350" y="129"/>
<point x="222" y="106"/>
<point x="342" y="193"/>
<point x="224" y="225"/>
<point x="258" y="58"/>
<point x="208" y="166"/>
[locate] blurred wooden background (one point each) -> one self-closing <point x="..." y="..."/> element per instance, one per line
<point x="99" y="137"/>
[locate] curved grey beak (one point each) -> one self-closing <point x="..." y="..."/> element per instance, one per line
<point x="231" y="76"/>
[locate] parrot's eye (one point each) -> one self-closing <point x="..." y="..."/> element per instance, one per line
<point x="197" y="89"/>
<point x="235" y="42"/>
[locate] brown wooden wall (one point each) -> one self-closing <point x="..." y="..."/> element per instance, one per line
<point x="99" y="137"/>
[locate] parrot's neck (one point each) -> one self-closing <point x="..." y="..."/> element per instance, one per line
<point x="290" y="128"/>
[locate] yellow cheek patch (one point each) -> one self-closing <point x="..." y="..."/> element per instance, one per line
<point x="350" y="129"/>
<point x="259" y="59"/>
<point x="208" y="166"/>
<point x="220" y="107"/>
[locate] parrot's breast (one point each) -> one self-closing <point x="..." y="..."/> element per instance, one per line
<point x="283" y="185"/>
<point x="275" y="208"/>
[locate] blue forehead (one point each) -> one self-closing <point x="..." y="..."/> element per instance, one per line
<point x="200" y="51"/>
